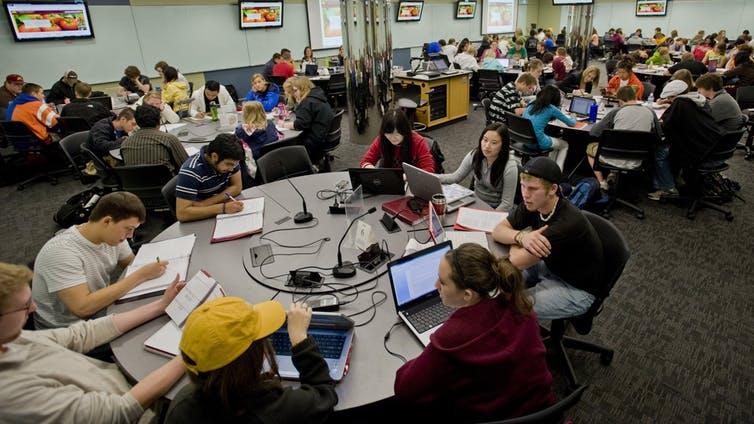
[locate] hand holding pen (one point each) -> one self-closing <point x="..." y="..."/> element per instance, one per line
<point x="232" y="205"/>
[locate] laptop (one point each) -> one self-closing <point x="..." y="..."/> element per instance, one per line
<point x="580" y="106"/>
<point x="310" y="69"/>
<point x="504" y="62"/>
<point x="438" y="234"/>
<point x="333" y="333"/>
<point x="105" y="101"/>
<point x="424" y="185"/>
<point x="417" y="301"/>
<point x="378" y="180"/>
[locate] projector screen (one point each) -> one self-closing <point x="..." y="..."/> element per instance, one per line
<point x="324" y="24"/>
<point x="498" y="16"/>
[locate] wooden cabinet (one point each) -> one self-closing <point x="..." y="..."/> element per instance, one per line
<point x="447" y="97"/>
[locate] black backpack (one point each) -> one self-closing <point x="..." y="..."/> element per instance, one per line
<point x="77" y="208"/>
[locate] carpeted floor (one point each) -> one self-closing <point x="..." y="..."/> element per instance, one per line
<point x="680" y="319"/>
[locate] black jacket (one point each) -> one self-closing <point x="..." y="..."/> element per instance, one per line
<point x="59" y="92"/>
<point x="572" y="81"/>
<point x="313" y="117"/>
<point x="102" y="137"/>
<point x="87" y="109"/>
<point x="695" y="67"/>
<point x="690" y="130"/>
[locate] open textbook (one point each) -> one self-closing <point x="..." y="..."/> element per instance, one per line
<point x="177" y="252"/>
<point x="198" y="290"/>
<point x="230" y="226"/>
<point x="472" y="219"/>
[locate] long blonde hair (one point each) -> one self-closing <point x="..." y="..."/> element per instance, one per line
<point x="303" y="84"/>
<point x="254" y="115"/>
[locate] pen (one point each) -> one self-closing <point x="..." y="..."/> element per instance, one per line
<point x="229" y="196"/>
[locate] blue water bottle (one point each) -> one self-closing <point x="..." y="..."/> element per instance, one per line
<point x="593" y="112"/>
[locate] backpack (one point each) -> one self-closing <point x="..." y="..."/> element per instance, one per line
<point x="584" y="194"/>
<point x="77" y="208"/>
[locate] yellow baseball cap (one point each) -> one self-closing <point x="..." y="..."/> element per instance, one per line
<point x="219" y="331"/>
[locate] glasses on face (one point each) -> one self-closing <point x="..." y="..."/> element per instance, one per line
<point x="26" y="308"/>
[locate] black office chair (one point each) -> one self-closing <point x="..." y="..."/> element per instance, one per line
<point x="168" y="193"/>
<point x="146" y="182"/>
<point x="522" y="136"/>
<point x="486" y="105"/>
<point x="289" y="161"/>
<point x="278" y="80"/>
<point x="332" y="141"/>
<point x="336" y="89"/>
<point x="232" y="92"/>
<point x="39" y="157"/>
<point x="407" y="97"/>
<point x="267" y="148"/>
<point x="624" y="152"/>
<point x="552" y="414"/>
<point x="615" y="255"/>
<point x="107" y="178"/>
<point x="649" y="88"/>
<point x="489" y="82"/>
<point x="72" y="124"/>
<point x="610" y="66"/>
<point x="71" y="146"/>
<point x="745" y="99"/>
<point x="437" y="156"/>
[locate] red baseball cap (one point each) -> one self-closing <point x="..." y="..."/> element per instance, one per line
<point x="14" y="79"/>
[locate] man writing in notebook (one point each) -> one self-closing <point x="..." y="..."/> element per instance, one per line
<point x="553" y="243"/>
<point x="75" y="269"/>
<point x="209" y="179"/>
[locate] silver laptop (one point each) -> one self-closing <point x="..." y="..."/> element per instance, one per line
<point x="504" y="62"/>
<point x="417" y="301"/>
<point x="580" y="106"/>
<point x="424" y="185"/>
<point x="333" y="333"/>
<point x="439" y="235"/>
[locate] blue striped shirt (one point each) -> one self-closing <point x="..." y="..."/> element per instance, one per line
<point x="199" y="180"/>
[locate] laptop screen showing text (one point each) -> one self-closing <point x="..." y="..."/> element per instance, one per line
<point x="439" y="63"/>
<point x="580" y="105"/>
<point x="416" y="277"/>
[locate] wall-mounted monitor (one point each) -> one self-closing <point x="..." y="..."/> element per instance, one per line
<point x="260" y="14"/>
<point x="410" y="11"/>
<point x="48" y="20"/>
<point x="571" y="2"/>
<point x="465" y="10"/>
<point x="651" y="7"/>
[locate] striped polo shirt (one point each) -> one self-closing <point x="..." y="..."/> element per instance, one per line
<point x="199" y="180"/>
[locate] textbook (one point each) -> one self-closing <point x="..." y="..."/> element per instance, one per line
<point x="472" y="219"/>
<point x="177" y="252"/>
<point x="403" y="209"/>
<point x="231" y="226"/>
<point x="201" y="288"/>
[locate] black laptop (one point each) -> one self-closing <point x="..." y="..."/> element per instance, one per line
<point x="310" y="69"/>
<point x="378" y="180"/>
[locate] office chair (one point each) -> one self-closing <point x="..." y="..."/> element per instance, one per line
<point x="39" y="156"/>
<point x="72" y="124"/>
<point x="437" y="156"/>
<point x="486" y="105"/>
<point x="277" y="80"/>
<point x="289" y="161"/>
<point x="267" y="148"/>
<point x="107" y="178"/>
<point x="336" y="89"/>
<point x="552" y="414"/>
<point x="332" y="141"/>
<point x="232" y="92"/>
<point x="489" y="82"/>
<point x="624" y="152"/>
<point x="168" y="193"/>
<point x="523" y="138"/>
<point x="146" y="182"/>
<point x="649" y="88"/>
<point x="408" y="98"/>
<point x="71" y="146"/>
<point x="615" y="255"/>
<point x="745" y="99"/>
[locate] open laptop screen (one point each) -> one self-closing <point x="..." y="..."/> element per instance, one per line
<point x="504" y="62"/>
<point x="414" y="276"/>
<point x="580" y="105"/>
<point x="439" y="62"/>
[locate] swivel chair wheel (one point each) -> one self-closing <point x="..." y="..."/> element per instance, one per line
<point x="640" y="215"/>
<point x="729" y="216"/>
<point x="606" y="358"/>
<point x="690" y="215"/>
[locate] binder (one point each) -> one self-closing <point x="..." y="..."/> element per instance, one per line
<point x="401" y="207"/>
<point x="237" y="225"/>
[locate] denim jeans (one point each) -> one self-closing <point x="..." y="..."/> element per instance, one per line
<point x="663" y="177"/>
<point x="554" y="298"/>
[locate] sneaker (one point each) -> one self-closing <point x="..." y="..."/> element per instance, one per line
<point x="659" y="194"/>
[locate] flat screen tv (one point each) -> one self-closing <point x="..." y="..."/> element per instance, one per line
<point x="48" y="20"/>
<point x="651" y="7"/>
<point x="465" y="9"/>
<point x="410" y="11"/>
<point x="260" y="14"/>
<point x="571" y="2"/>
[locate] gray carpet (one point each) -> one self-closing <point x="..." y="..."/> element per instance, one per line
<point x="680" y="318"/>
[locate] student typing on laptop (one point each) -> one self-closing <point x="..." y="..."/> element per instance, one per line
<point x="487" y="361"/>
<point x="225" y="345"/>
<point x="398" y="143"/>
<point x="495" y="171"/>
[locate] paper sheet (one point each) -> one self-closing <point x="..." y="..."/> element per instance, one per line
<point x="177" y="252"/>
<point x="478" y="219"/>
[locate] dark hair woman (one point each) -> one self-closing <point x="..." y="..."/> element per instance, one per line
<point x="398" y="143"/>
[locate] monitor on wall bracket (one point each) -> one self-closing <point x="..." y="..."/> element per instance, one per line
<point x="48" y="20"/>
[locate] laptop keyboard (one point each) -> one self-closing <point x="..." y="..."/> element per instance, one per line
<point x="330" y="345"/>
<point x="428" y="317"/>
<point x="454" y="192"/>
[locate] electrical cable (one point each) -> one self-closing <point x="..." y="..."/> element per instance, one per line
<point x="387" y="337"/>
<point x="372" y="307"/>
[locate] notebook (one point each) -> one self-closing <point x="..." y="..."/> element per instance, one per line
<point x="580" y="105"/>
<point x="424" y="185"/>
<point x="417" y="301"/>
<point x="333" y="333"/>
<point x="231" y="226"/>
<point x="378" y="180"/>
<point x="439" y="235"/>
<point x="409" y="210"/>
<point x="177" y="252"/>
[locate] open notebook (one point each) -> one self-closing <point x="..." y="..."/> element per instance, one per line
<point x="177" y="252"/>
<point x="230" y="226"/>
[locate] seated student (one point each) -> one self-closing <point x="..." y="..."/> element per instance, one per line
<point x="716" y="54"/>
<point x="313" y="116"/>
<point x="284" y="68"/>
<point x="233" y="372"/>
<point x="211" y="92"/>
<point x="45" y="377"/>
<point x="467" y="59"/>
<point x="154" y="98"/>
<point x="254" y="132"/>
<point x="559" y="64"/>
<point x="487" y="361"/>
<point x="208" y="179"/>
<point x="173" y="90"/>
<point x="687" y="62"/>
<point x="450" y="49"/>
<point x="160" y="68"/>
<point x="397" y="143"/>
<point x="661" y="56"/>
<point x="150" y="146"/>
<point x="742" y="75"/>
<point x="546" y="106"/>
<point x="108" y="134"/>
<point x="731" y="63"/>
<point x="74" y="269"/>
<point x="490" y="62"/>
<point x="630" y="115"/>
<point x="625" y="76"/>
<point x="266" y="93"/>
<point x="495" y="172"/>
<point x="511" y="98"/>
<point x="519" y="51"/>
<point x="497" y="53"/>
<point x="29" y="107"/>
<point x="561" y="253"/>
<point x="580" y="83"/>
<point x="683" y="75"/>
<point x="62" y="91"/>
<point x="723" y="106"/>
<point x="308" y="57"/>
<point x="10" y="90"/>
<point x="82" y="107"/>
<point x="267" y="72"/>
<point x="133" y="82"/>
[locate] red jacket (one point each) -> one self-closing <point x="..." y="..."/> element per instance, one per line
<point x="420" y="154"/>
<point x="283" y="69"/>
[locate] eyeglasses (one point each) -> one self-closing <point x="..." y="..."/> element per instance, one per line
<point x="26" y="308"/>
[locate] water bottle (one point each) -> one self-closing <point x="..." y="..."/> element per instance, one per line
<point x="593" y="112"/>
<point x="158" y="89"/>
<point x="213" y="110"/>
<point x="281" y="111"/>
<point x="651" y="98"/>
